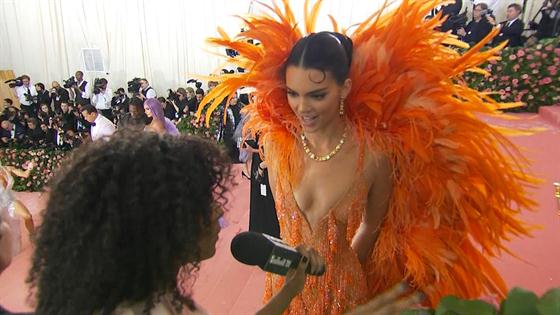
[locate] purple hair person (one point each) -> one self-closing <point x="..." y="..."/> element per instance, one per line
<point x="159" y="123"/>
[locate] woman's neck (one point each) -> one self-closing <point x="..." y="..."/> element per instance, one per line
<point x="326" y="139"/>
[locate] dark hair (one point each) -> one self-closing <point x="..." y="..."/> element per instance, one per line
<point x="516" y="6"/>
<point x="34" y="121"/>
<point x="9" y="101"/>
<point x="162" y="100"/>
<point x="136" y="101"/>
<point x="482" y="5"/>
<point x="25" y="76"/>
<point x="200" y="92"/>
<point x="80" y="72"/>
<point x="325" y="51"/>
<point x="89" y="109"/>
<point x="41" y="85"/>
<point x="103" y="80"/>
<point x="123" y="217"/>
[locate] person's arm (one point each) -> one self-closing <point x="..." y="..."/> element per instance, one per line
<point x="295" y="282"/>
<point x="151" y="93"/>
<point x="377" y="206"/>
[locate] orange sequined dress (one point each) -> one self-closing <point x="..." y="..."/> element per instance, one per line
<point x="344" y="284"/>
<point x="458" y="182"/>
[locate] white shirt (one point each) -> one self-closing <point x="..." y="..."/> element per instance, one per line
<point x="103" y="128"/>
<point x="102" y="100"/>
<point x="22" y="90"/>
<point x="85" y="94"/>
<point x="151" y="92"/>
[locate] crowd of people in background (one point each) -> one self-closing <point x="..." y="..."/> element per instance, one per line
<point x="483" y="20"/>
<point x="66" y="116"/>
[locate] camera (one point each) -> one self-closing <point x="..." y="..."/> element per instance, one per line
<point x="98" y="85"/>
<point x="134" y="85"/>
<point x="12" y="83"/>
<point x="70" y="82"/>
<point x="196" y="83"/>
<point x="486" y="12"/>
<point x="172" y="96"/>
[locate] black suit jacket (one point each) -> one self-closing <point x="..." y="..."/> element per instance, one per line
<point x="511" y="33"/>
<point x="476" y="31"/>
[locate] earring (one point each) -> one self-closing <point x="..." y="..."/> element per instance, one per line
<point x="341" y="108"/>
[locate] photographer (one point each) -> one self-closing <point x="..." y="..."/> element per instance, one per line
<point x="146" y="91"/>
<point x="511" y="29"/>
<point x="102" y="98"/>
<point x="478" y="28"/>
<point x="59" y="95"/>
<point x="25" y="94"/>
<point x="66" y="119"/>
<point x="549" y="25"/>
<point x="81" y="88"/>
<point x="169" y="110"/>
<point x="120" y="101"/>
<point x="34" y="136"/>
<point x="43" y="96"/>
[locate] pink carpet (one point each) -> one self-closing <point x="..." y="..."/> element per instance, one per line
<point x="227" y="287"/>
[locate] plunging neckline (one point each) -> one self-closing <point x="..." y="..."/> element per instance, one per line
<point x="356" y="182"/>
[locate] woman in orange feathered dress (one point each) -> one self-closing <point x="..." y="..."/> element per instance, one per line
<point x="376" y="156"/>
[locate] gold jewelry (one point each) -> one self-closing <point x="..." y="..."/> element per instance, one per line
<point x="341" y="108"/>
<point x="327" y="157"/>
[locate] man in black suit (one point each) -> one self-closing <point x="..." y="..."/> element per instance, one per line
<point x="478" y="28"/>
<point x="511" y="29"/>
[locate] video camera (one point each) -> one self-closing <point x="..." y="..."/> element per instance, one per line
<point x="70" y="82"/>
<point x="486" y="12"/>
<point x="12" y="83"/>
<point x="134" y="85"/>
<point x="98" y="85"/>
<point x="196" y="83"/>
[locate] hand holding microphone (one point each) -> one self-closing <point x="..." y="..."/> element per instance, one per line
<point x="273" y="255"/>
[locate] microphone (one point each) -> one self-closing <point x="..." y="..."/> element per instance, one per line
<point x="267" y="252"/>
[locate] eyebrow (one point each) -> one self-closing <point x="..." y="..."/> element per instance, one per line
<point x="310" y="93"/>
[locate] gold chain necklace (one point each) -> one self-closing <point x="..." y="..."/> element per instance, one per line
<point x="327" y="157"/>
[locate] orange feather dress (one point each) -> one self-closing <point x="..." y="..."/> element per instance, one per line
<point x="458" y="182"/>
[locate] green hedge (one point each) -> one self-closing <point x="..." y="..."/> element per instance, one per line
<point x="524" y="74"/>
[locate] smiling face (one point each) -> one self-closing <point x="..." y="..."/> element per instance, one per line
<point x="314" y="96"/>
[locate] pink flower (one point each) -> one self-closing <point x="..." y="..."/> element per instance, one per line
<point x="530" y="57"/>
<point x="512" y="57"/>
<point x="508" y="88"/>
<point x="520" y="53"/>
<point x="502" y="92"/>
<point x="524" y="76"/>
<point x="552" y="68"/>
<point x="544" y="56"/>
<point x="537" y="53"/>
<point x="503" y="97"/>
<point x="557" y="51"/>
<point x="530" y="97"/>
<point x="548" y="48"/>
<point x="515" y="81"/>
<point x="533" y="65"/>
<point x="493" y="61"/>
<point x="516" y="67"/>
<point x="505" y="78"/>
<point x="547" y="80"/>
<point x="535" y="71"/>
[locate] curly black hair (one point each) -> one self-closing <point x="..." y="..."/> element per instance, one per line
<point x="122" y="218"/>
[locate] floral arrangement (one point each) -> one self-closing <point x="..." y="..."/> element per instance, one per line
<point x="192" y="125"/>
<point x="524" y="74"/>
<point x="45" y="162"/>
<point x="518" y="302"/>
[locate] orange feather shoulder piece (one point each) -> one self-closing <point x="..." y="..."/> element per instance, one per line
<point x="458" y="182"/>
